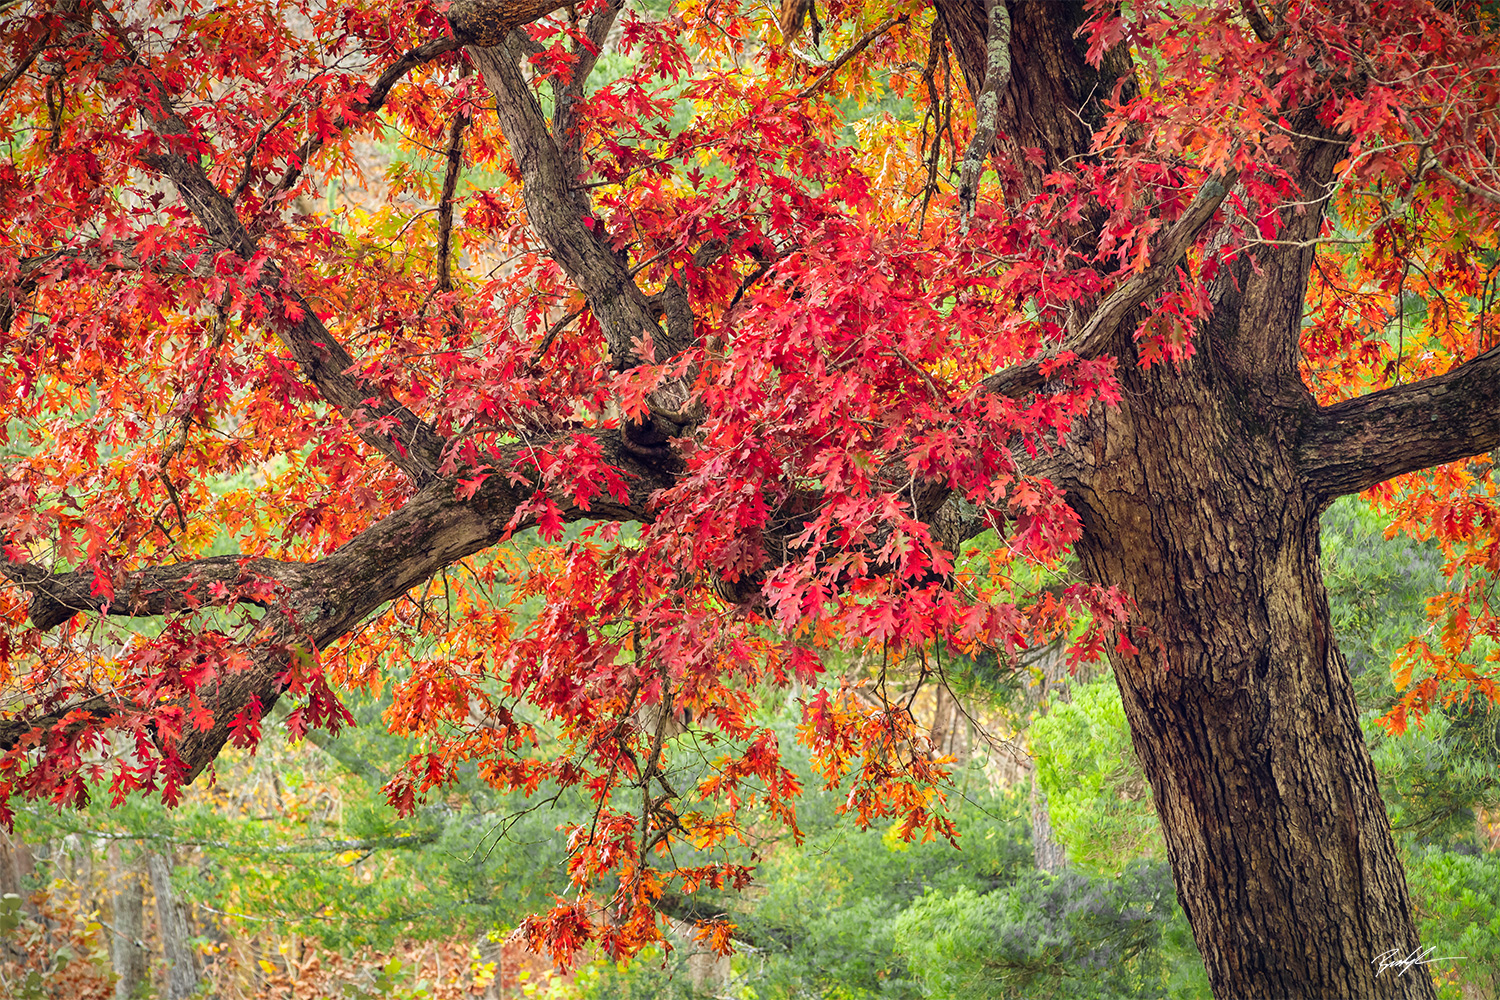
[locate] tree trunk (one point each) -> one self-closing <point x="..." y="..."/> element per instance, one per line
<point x="493" y="950"/>
<point x="127" y="951"/>
<point x="1048" y="855"/>
<point x="18" y="871"/>
<point x="176" y="932"/>
<point x="1195" y="499"/>
<point x="1239" y="703"/>
<point x="1046" y="852"/>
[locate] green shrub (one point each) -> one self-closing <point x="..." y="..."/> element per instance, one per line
<point x="1097" y="796"/>
<point x="1085" y="937"/>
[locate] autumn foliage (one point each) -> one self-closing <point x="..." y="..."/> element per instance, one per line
<point x="851" y="378"/>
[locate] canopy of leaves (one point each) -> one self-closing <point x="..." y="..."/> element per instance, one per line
<point x="726" y="356"/>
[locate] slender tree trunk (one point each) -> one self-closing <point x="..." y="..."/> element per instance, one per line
<point x="491" y="950"/>
<point x="127" y="950"/>
<point x="1046" y="852"/>
<point x="18" y="871"/>
<point x="708" y="972"/>
<point x="1240" y="706"/>
<point x="176" y="933"/>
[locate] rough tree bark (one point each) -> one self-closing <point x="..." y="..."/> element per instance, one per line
<point x="1199" y="495"/>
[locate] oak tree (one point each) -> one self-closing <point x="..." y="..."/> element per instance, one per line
<point x="755" y="318"/>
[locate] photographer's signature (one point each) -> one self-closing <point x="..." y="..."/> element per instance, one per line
<point x="1402" y="962"/>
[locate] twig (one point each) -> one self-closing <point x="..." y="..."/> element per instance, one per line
<point x="849" y="53"/>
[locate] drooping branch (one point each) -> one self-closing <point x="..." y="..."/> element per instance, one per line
<point x="1351" y="446"/>
<point x="986" y="105"/>
<point x="380" y="420"/>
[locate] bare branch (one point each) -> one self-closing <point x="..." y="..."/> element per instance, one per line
<point x="454" y="156"/>
<point x="1491" y="195"/>
<point x="1353" y="445"/>
<point x="859" y="46"/>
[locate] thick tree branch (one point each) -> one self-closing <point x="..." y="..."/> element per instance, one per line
<point x="157" y="590"/>
<point x="381" y="421"/>
<point x="1102" y="331"/>
<point x="585" y="257"/>
<point x="485" y="23"/>
<point x="116" y="256"/>
<point x="1258" y="22"/>
<point x="580" y="247"/>
<point x="323" y="600"/>
<point x="1353" y="445"/>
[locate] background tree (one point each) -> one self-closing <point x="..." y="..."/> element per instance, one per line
<point x="687" y="299"/>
